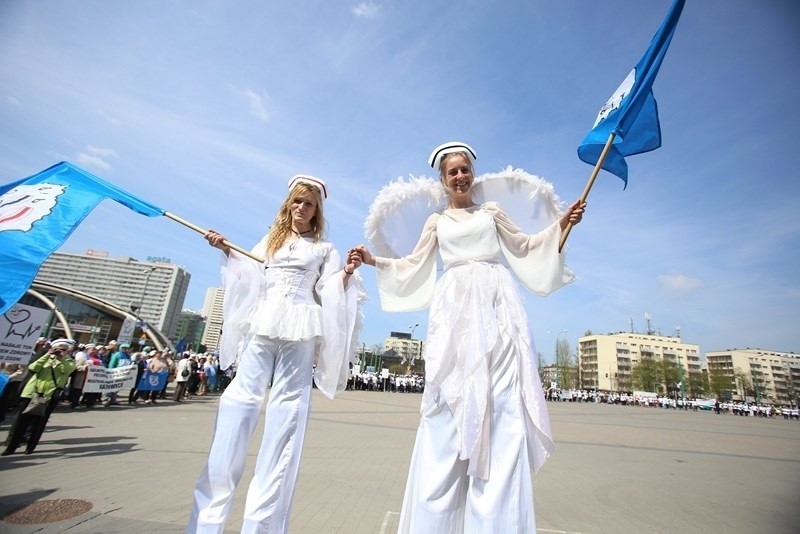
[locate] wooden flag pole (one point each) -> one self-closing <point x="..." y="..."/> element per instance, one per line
<point x="589" y="184"/>
<point x="204" y="232"/>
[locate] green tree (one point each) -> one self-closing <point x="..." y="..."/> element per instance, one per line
<point x="719" y="383"/>
<point x="645" y="375"/>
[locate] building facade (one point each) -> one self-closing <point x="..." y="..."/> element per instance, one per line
<point x="190" y="331"/>
<point x="155" y="292"/>
<point x="212" y="312"/>
<point x="759" y="375"/>
<point x="606" y="360"/>
<point x="405" y="347"/>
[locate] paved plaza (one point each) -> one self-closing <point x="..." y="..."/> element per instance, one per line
<point x="616" y="469"/>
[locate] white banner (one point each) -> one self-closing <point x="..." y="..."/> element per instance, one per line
<point x="20" y="328"/>
<point x="126" y="331"/>
<point x="102" y="380"/>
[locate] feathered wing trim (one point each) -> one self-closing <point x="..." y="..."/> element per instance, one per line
<point x="398" y="214"/>
<point x="530" y="202"/>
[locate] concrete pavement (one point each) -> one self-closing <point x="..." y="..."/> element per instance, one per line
<point x="616" y="469"/>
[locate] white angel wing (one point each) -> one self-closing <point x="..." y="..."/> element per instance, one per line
<point x="529" y="201"/>
<point x="398" y="214"/>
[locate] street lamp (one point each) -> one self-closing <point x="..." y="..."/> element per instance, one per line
<point x="558" y="367"/>
<point x="139" y="307"/>
<point x="411" y="336"/>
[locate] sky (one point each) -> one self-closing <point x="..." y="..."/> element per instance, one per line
<point x="207" y="108"/>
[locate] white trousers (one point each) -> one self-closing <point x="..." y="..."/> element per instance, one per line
<point x="269" y="498"/>
<point x="441" y="498"/>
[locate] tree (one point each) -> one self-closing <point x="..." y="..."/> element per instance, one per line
<point x="696" y="385"/>
<point x="645" y="375"/>
<point x="744" y="383"/>
<point x="566" y="366"/>
<point x="719" y="383"/>
<point x="540" y="365"/>
<point x="670" y="374"/>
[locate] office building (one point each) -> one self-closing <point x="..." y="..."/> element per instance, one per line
<point x="606" y="361"/>
<point x="212" y="312"/>
<point x="760" y="375"/>
<point x="154" y="291"/>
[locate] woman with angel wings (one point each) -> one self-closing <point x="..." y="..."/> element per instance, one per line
<point x="484" y="423"/>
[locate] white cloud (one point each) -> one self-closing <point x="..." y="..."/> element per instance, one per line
<point x="258" y="103"/>
<point x="679" y="284"/>
<point x="13" y="101"/>
<point x="109" y="118"/>
<point x="95" y="157"/>
<point x="366" y="10"/>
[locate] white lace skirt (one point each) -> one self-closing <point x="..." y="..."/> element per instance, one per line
<point x="476" y="315"/>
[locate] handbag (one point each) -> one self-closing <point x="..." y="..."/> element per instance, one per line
<point x="38" y="404"/>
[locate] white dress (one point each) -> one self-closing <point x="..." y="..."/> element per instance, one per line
<point x="279" y="323"/>
<point x="484" y="422"/>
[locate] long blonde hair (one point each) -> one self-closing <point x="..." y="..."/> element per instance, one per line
<point x="282" y="227"/>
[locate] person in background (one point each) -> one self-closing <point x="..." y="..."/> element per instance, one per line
<point x="78" y="376"/>
<point x="49" y="375"/>
<point x="120" y="358"/>
<point x="182" y="372"/>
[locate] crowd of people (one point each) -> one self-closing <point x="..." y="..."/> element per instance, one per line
<point x="651" y="400"/>
<point x="58" y="370"/>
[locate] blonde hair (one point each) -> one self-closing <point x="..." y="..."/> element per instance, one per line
<point x="282" y="227"/>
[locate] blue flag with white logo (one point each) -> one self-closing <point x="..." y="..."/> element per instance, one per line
<point x="152" y="380"/>
<point x="631" y="113"/>
<point x="37" y="214"/>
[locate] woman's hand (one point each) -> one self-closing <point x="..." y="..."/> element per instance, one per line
<point x="215" y="239"/>
<point x="574" y="214"/>
<point x="353" y="262"/>
<point x="366" y="255"/>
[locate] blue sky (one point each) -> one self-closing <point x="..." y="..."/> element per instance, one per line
<point x="206" y="108"/>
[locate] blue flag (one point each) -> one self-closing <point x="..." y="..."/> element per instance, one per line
<point x="152" y="381"/>
<point x="37" y="214"/>
<point x="631" y="112"/>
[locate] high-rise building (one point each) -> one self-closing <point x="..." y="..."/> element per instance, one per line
<point x="212" y="312"/>
<point x="190" y="331"/>
<point x="154" y="291"/>
<point x="756" y="374"/>
<point x="606" y="361"/>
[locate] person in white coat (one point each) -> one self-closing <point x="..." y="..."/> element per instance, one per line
<point x="484" y="423"/>
<point x="298" y="309"/>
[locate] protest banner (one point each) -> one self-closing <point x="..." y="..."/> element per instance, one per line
<point x="103" y="380"/>
<point x="20" y="328"/>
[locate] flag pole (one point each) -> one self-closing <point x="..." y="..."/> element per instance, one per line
<point x="589" y="184"/>
<point x="204" y="232"/>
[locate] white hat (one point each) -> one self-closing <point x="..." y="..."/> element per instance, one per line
<point x="311" y="180"/>
<point x="449" y="148"/>
<point x="64" y="341"/>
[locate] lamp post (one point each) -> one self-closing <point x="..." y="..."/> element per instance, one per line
<point x="558" y="362"/>
<point x="411" y="336"/>
<point x="139" y="307"/>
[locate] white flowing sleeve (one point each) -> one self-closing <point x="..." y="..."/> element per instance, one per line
<point x="341" y="324"/>
<point x="406" y="284"/>
<point x="534" y="258"/>
<point x="242" y="279"/>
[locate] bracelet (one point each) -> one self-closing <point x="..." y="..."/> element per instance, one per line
<point x="348" y="274"/>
